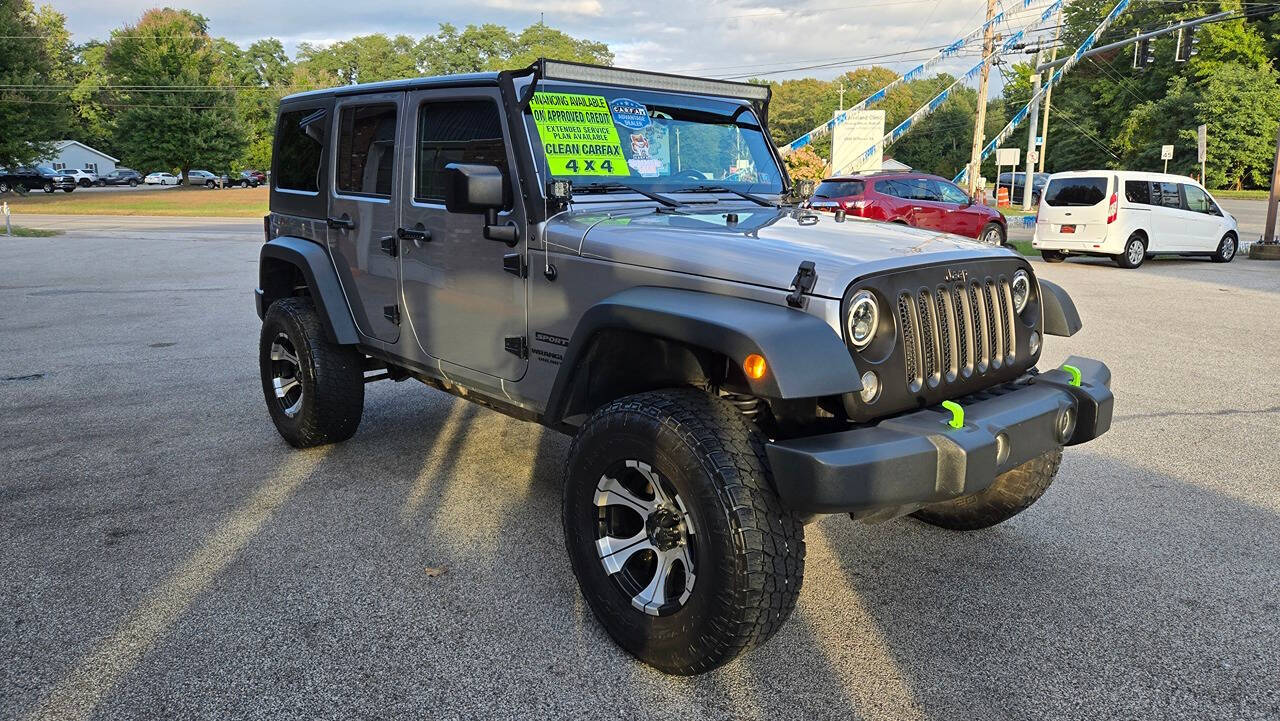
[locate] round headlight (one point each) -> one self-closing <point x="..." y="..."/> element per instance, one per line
<point x="864" y="316"/>
<point x="1021" y="290"/>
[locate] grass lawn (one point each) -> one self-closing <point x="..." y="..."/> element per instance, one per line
<point x="235" y="202"/>
<point x="21" y="232"/>
<point x="1024" y="247"/>
<point x="1242" y="194"/>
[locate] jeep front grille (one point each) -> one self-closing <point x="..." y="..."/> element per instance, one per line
<point x="956" y="330"/>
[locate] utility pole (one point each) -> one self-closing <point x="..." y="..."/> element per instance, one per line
<point x="1048" y="96"/>
<point x="1269" y="232"/>
<point x="980" y="122"/>
<point x="1033" y="125"/>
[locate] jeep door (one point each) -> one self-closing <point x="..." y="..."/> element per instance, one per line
<point x="464" y="296"/>
<point x="362" y="183"/>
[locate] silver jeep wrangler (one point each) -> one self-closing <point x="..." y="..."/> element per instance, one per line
<point x="612" y="253"/>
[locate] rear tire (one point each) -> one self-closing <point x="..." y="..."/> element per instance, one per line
<point x="1226" y="251"/>
<point x="1010" y="494"/>
<point x="713" y="564"/>
<point x="1053" y="256"/>
<point x="314" y="389"/>
<point x="1135" y="251"/>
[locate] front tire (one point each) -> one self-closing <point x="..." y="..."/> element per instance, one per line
<point x="992" y="234"/>
<point x="680" y="546"/>
<point x="1135" y="251"/>
<point x="209" y="184"/>
<point x="314" y="389"/>
<point x="1226" y="251"/>
<point x="4" y="187"/>
<point x="133" y="183"/>
<point x="1010" y="494"/>
<point x="48" y="187"/>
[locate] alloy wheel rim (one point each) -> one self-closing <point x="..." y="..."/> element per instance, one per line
<point x="1135" y="251"/>
<point x="645" y="537"/>
<point x="1228" y="249"/>
<point x="286" y="375"/>
<point x="993" y="237"/>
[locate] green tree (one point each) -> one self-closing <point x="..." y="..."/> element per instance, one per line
<point x="31" y="117"/>
<point x="542" y="41"/>
<point x="261" y="74"/>
<point x="176" y="112"/>
<point x="362" y="59"/>
<point x="474" y="49"/>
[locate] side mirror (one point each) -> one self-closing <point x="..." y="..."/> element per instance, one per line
<point x="475" y="188"/>
<point x="472" y="188"/>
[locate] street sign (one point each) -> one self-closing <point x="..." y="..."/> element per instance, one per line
<point x="1202" y="139"/>
<point x="1166" y="152"/>
<point x="1008" y="156"/>
<point x="1039" y="140"/>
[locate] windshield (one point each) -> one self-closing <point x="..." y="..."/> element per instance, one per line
<point x="47" y="170"/>
<point x="651" y="140"/>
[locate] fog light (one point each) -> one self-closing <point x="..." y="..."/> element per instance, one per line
<point x="1033" y="343"/>
<point x="870" y="387"/>
<point x="1002" y="448"/>
<point x="754" y="366"/>
<point x="1066" y="424"/>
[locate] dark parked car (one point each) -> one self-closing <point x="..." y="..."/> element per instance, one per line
<point x="1017" y="181"/>
<point x="121" y="176"/>
<point x="29" y="178"/>
<point x="244" y="179"/>
<point x="916" y="199"/>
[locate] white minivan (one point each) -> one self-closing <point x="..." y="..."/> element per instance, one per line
<point x="1129" y="216"/>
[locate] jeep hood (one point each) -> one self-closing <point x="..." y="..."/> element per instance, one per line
<point x="763" y="247"/>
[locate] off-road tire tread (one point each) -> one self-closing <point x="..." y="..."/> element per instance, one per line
<point x="770" y="539"/>
<point x="338" y="392"/>
<point x="1012" y="493"/>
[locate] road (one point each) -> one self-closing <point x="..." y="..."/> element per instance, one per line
<point x="1251" y="216"/>
<point x="165" y="555"/>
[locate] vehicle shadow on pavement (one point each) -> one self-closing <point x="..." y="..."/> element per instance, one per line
<point x="1069" y="610"/>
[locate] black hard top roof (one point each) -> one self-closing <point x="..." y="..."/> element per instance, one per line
<point x="439" y="81"/>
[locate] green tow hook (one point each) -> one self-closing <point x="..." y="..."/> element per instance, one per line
<point x="957" y="414"/>
<point x="1073" y="372"/>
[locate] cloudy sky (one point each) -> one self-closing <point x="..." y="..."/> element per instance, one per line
<point x="719" y="38"/>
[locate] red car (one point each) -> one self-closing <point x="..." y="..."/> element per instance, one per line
<point x="917" y="199"/>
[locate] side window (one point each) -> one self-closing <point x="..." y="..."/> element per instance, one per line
<point x="467" y="131"/>
<point x="1165" y="194"/>
<point x="1137" y="191"/>
<point x="298" y="152"/>
<point x="887" y="187"/>
<point x="366" y="149"/>
<point x="923" y="189"/>
<point x="950" y="193"/>
<point x="1197" y="200"/>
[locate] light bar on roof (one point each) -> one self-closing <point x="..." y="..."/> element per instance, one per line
<point x="559" y="70"/>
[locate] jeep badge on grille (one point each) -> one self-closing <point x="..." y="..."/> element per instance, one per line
<point x="953" y="275"/>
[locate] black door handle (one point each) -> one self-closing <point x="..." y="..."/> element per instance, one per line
<point x="415" y="235"/>
<point x="344" y="222"/>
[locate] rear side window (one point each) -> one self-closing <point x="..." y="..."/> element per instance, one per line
<point x="468" y="131"/>
<point x="1079" y="192"/>
<point x="297" y="154"/>
<point x="1137" y="191"/>
<point x="1165" y="194"/>
<point x="366" y="149"/>
<point x="838" y="188"/>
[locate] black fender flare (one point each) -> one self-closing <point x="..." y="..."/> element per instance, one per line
<point x="806" y="358"/>
<point x="311" y="259"/>
<point x="1060" y="315"/>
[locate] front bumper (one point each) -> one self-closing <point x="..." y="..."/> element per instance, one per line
<point x="918" y="458"/>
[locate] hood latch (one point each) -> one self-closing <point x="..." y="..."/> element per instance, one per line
<point x="804" y="281"/>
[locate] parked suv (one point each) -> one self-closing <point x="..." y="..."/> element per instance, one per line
<point x="84" y="178"/>
<point x="611" y="254"/>
<point x="916" y="199"/>
<point x="1016" y="182"/>
<point x="202" y="177"/>
<point x="28" y="177"/>
<point x="121" y="176"/>
<point x="1129" y="216"/>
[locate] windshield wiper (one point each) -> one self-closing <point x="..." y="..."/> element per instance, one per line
<point x="607" y="187"/>
<point x="721" y="189"/>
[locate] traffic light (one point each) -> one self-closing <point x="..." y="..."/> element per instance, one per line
<point x="1142" y="54"/>
<point x="1187" y="42"/>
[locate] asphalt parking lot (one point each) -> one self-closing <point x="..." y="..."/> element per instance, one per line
<point x="165" y="555"/>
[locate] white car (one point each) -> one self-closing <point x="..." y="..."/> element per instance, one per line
<point x="160" y="179"/>
<point x="84" y="178"/>
<point x="1130" y="216"/>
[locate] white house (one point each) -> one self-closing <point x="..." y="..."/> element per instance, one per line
<point x="72" y="155"/>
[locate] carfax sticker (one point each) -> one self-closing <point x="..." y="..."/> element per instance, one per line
<point x="629" y="114"/>
<point x="578" y="135"/>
